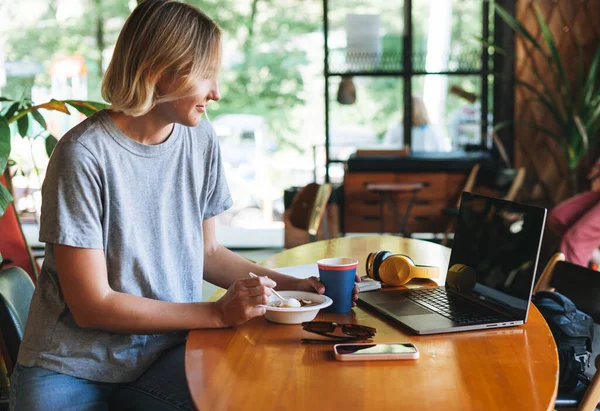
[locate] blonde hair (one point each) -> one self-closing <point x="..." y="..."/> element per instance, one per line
<point x="160" y="37"/>
<point x="419" y="112"/>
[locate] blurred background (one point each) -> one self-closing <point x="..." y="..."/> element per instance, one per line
<point x="270" y="120"/>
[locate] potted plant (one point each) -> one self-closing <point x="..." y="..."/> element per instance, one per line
<point x="573" y="109"/>
<point x="23" y="113"/>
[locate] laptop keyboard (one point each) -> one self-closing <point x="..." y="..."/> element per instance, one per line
<point x="449" y="306"/>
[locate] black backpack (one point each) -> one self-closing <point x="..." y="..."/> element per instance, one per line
<point x="573" y="331"/>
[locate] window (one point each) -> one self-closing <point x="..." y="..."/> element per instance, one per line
<point x="271" y="86"/>
<point x="420" y="73"/>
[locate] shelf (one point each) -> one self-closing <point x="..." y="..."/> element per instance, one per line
<point x="342" y="63"/>
<point x="464" y="61"/>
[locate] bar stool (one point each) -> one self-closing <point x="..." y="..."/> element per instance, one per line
<point x="387" y="192"/>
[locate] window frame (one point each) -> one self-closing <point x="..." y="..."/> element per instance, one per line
<point x="501" y="71"/>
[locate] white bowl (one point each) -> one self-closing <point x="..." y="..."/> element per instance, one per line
<point x="297" y="315"/>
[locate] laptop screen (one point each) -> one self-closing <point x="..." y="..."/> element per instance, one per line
<point x="495" y="251"/>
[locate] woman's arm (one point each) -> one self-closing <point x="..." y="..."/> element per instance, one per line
<point x="223" y="267"/>
<point x="83" y="279"/>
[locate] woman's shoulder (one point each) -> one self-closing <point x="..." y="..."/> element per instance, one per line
<point x="88" y="128"/>
<point x="436" y="140"/>
<point x="77" y="142"/>
<point x="394" y="134"/>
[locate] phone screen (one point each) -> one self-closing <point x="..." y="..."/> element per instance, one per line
<point x="395" y="348"/>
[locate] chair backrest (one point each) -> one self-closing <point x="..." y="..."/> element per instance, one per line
<point x="13" y="245"/>
<point x="543" y="283"/>
<point x="308" y="207"/>
<point x="470" y="182"/>
<point x="16" y="290"/>
<point x="579" y="284"/>
<point x="516" y="185"/>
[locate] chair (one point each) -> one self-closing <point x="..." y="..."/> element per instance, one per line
<point x="504" y="183"/>
<point x="592" y="394"/>
<point x="16" y="290"/>
<point x="516" y="183"/>
<point x="387" y="193"/>
<point x="469" y="183"/>
<point x="307" y="213"/>
<point x="13" y="246"/>
<point x="543" y="283"/>
<point x="578" y="284"/>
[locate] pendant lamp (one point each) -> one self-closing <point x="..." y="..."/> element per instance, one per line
<point x="347" y="91"/>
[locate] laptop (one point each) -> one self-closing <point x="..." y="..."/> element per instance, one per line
<point x="490" y="274"/>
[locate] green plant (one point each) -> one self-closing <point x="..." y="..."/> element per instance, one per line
<point x="23" y="113"/>
<point x="573" y="108"/>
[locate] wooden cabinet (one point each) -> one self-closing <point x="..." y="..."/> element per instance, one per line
<point x="362" y="211"/>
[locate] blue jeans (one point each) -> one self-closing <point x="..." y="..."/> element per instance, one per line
<point x="162" y="387"/>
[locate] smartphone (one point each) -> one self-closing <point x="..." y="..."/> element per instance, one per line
<point x="375" y="351"/>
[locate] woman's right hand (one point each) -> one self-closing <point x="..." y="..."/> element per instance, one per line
<point x="244" y="300"/>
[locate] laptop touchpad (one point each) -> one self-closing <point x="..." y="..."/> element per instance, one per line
<point x="403" y="308"/>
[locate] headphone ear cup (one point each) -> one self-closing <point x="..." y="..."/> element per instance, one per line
<point x="396" y="270"/>
<point x="369" y="265"/>
<point x="378" y="259"/>
<point x="462" y="277"/>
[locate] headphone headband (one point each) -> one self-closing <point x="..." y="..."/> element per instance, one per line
<point x="396" y="269"/>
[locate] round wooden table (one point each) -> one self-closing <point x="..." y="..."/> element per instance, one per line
<point x="264" y="366"/>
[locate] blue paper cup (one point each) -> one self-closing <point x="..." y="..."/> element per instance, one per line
<point x="338" y="274"/>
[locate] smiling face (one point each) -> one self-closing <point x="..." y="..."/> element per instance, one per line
<point x="170" y="42"/>
<point x="187" y="110"/>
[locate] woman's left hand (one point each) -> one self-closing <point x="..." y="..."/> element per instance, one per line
<point x="594" y="171"/>
<point x="313" y="284"/>
<point x="596" y="184"/>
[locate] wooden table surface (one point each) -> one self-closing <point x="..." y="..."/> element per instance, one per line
<point x="264" y="366"/>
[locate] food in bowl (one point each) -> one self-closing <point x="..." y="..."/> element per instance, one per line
<point x="287" y="303"/>
<point x="313" y="302"/>
<point x="303" y="302"/>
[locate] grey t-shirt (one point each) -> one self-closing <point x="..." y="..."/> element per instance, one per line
<point x="144" y="206"/>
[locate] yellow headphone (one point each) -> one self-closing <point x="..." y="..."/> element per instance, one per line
<point x="397" y="269"/>
<point x="462" y="277"/>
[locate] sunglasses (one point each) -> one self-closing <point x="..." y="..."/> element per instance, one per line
<point x="352" y="332"/>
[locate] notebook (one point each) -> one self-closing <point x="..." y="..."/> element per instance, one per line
<point x="490" y="277"/>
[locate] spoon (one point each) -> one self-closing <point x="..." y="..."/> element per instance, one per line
<point x="287" y="302"/>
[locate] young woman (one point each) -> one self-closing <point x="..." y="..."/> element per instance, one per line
<point x="425" y="136"/>
<point x="577" y="222"/>
<point x="128" y="211"/>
